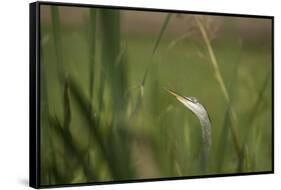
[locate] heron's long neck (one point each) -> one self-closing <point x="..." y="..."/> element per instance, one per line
<point x="207" y="140"/>
<point x="206" y="132"/>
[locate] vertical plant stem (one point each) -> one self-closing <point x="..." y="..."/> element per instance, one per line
<point x="220" y="80"/>
<point x="115" y="75"/>
<point x="156" y="44"/>
<point x="66" y="106"/>
<point x="45" y="133"/>
<point x="226" y="121"/>
<point x="251" y="119"/>
<point x="72" y="148"/>
<point x="66" y="125"/>
<point x="63" y="86"/>
<point x="257" y="104"/>
<point x="162" y="30"/>
<point x="56" y="29"/>
<point x="114" y="68"/>
<point x="92" y="55"/>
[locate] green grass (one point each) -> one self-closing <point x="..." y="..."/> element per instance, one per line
<point x="92" y="85"/>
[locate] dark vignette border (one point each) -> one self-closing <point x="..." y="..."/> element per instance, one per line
<point x="34" y="93"/>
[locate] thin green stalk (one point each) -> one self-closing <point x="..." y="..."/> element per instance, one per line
<point x="70" y="146"/>
<point x="63" y="86"/>
<point x="224" y="133"/>
<point x="162" y="30"/>
<point x="51" y="161"/>
<point x="252" y="117"/>
<point x="66" y="126"/>
<point x="226" y="121"/>
<point x="113" y="64"/>
<point x="213" y="58"/>
<point x="258" y="102"/>
<point x="66" y="107"/>
<point x="156" y="44"/>
<point x="45" y="134"/>
<point x="92" y="55"/>
<point x="100" y="141"/>
<point x="114" y="67"/>
<point x="56" y="29"/>
<point x="218" y="76"/>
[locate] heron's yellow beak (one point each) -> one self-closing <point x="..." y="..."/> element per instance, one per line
<point x="179" y="97"/>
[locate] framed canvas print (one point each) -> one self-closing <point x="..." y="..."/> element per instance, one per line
<point x="120" y="94"/>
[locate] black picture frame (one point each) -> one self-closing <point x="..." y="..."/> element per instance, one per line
<point x="34" y="93"/>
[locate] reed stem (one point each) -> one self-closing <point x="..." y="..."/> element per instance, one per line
<point x="218" y="76"/>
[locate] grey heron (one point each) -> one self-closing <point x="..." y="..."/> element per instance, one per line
<point x="201" y="113"/>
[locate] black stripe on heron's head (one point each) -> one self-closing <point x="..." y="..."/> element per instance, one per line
<point x="191" y="99"/>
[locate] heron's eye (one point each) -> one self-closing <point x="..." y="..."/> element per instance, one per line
<point x="193" y="99"/>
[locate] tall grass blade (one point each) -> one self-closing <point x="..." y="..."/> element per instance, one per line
<point x="156" y="44"/>
<point x="92" y="68"/>
<point x="258" y="103"/>
<point x="250" y="123"/>
<point x="223" y="139"/>
<point x="66" y="107"/>
<point x="115" y="74"/>
<point x="114" y="67"/>
<point x="66" y="124"/>
<point x="83" y="104"/>
<point x="45" y="133"/>
<point x="92" y="53"/>
<point x="227" y="121"/>
<point x="162" y="30"/>
<point x="218" y="76"/>
<point x="56" y="29"/>
<point x="91" y="120"/>
<point x="71" y="147"/>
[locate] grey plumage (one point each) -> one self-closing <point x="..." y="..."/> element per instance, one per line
<point x="201" y="113"/>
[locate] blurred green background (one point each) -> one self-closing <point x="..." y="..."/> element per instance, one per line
<point x="106" y="117"/>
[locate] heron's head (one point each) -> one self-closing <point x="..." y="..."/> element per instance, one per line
<point x="191" y="103"/>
